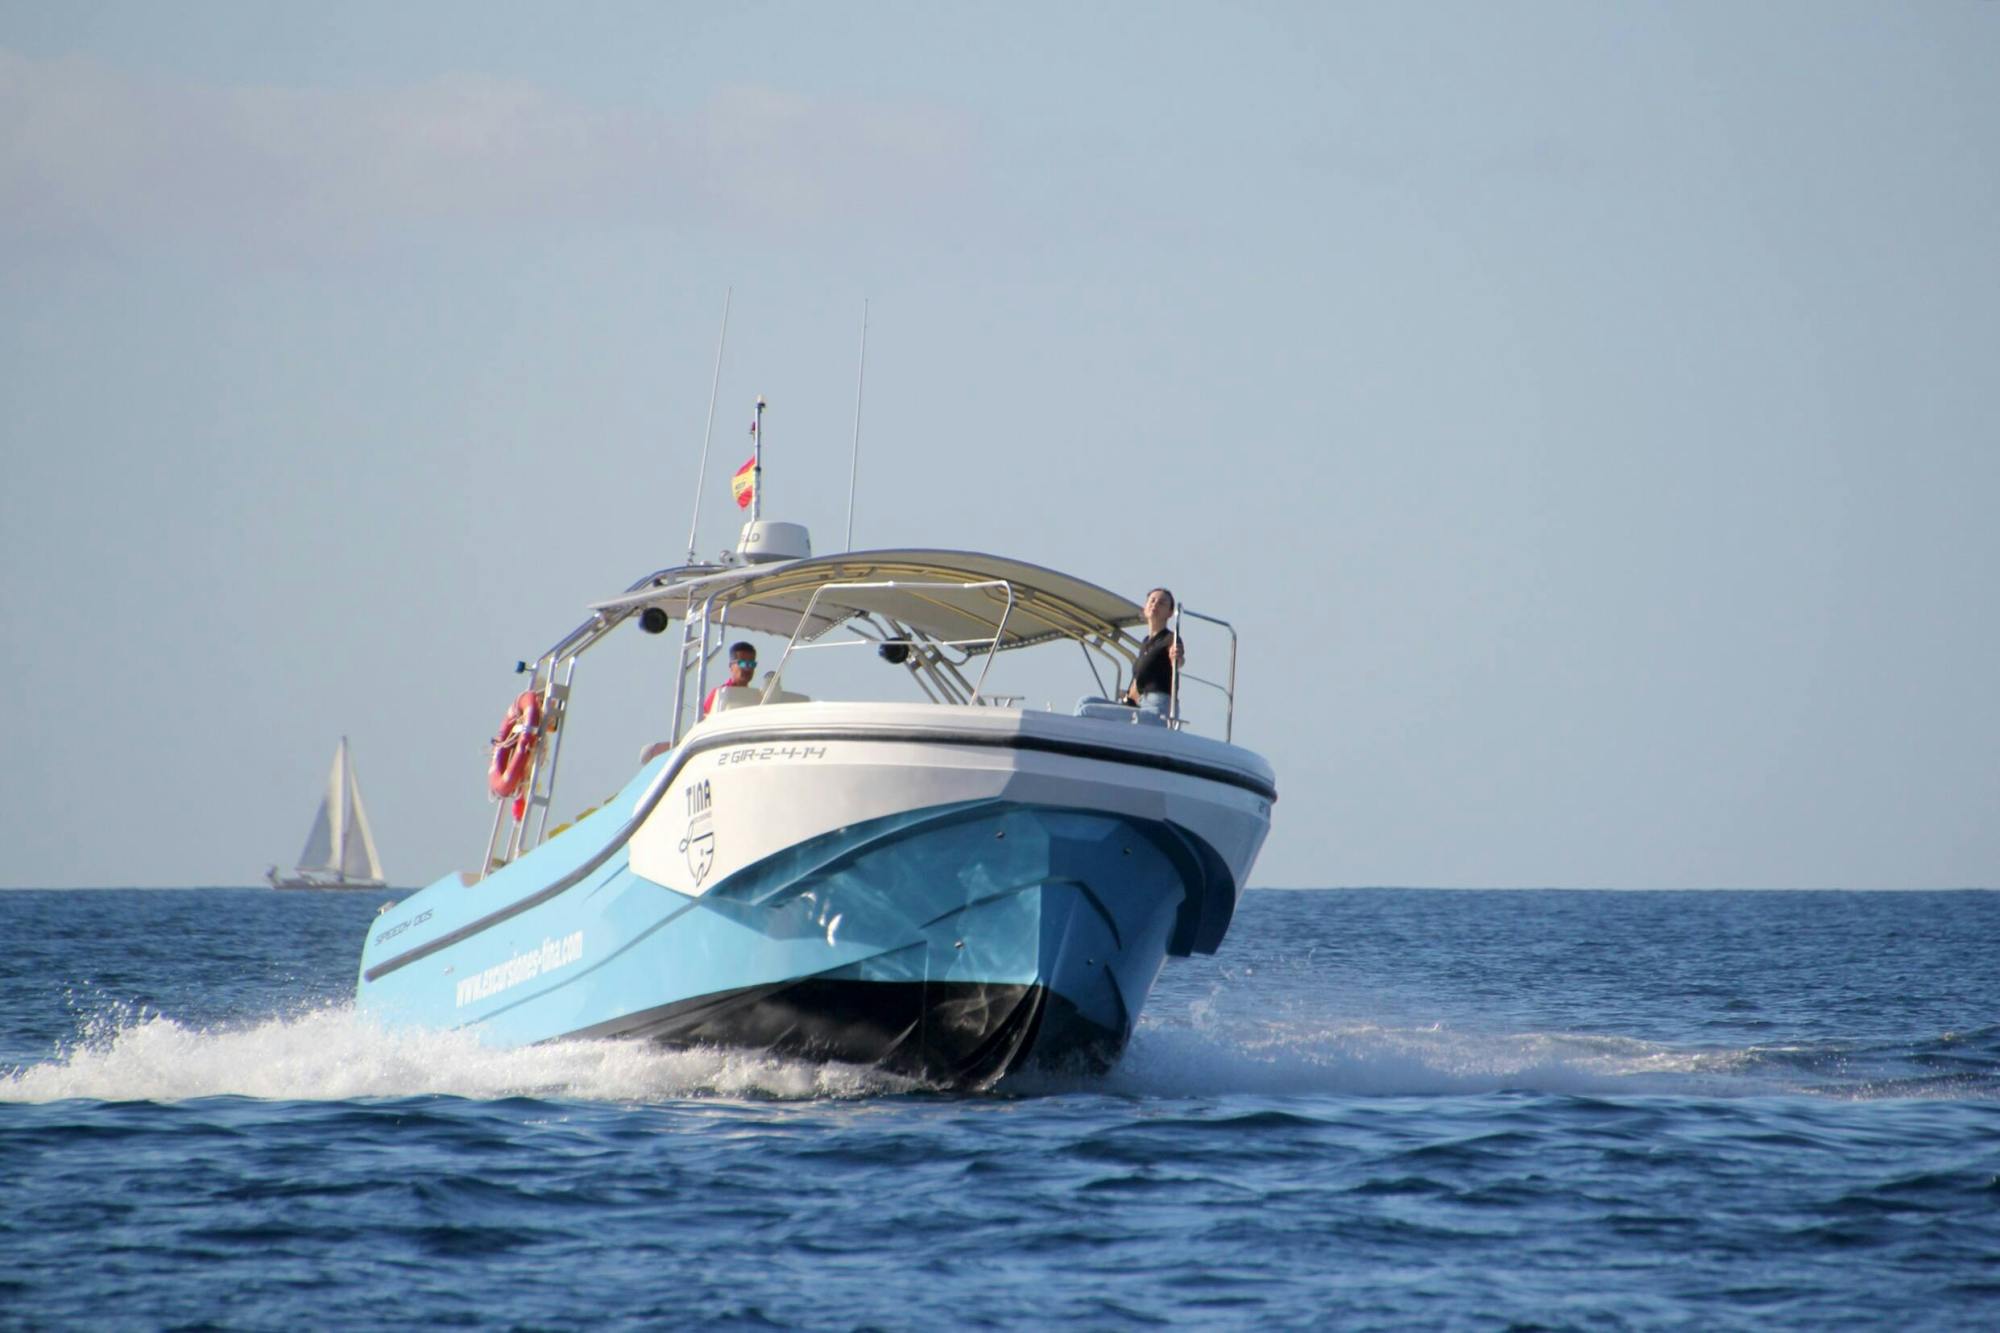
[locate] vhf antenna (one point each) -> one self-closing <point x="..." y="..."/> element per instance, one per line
<point x="854" y="469"/>
<point x="701" y="480"/>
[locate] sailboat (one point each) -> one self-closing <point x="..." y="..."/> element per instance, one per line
<point x="340" y="850"/>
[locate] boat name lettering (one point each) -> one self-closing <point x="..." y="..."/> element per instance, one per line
<point x="521" y="967"/>
<point x="752" y="754"/>
<point x="401" y="926"/>
<point x="698" y="797"/>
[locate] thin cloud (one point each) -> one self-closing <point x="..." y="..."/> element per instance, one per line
<point x="93" y="155"/>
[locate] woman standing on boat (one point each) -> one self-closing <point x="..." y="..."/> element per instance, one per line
<point x="1152" y="686"/>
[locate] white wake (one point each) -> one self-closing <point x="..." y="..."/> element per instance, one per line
<point x="1198" y="1056"/>
<point x="1200" y="1050"/>
<point x="333" y="1054"/>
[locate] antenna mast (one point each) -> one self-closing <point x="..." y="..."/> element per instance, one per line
<point x="860" y="378"/>
<point x="757" y="462"/>
<point x="708" y="431"/>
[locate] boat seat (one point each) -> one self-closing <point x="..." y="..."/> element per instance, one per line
<point x="1104" y="709"/>
<point x="749" y="696"/>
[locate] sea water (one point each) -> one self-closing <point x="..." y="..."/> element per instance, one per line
<point x="1373" y="1108"/>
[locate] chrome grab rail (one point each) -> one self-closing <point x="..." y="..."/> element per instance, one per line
<point x="509" y="841"/>
<point x="1229" y="690"/>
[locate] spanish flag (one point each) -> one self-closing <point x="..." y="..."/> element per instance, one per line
<point x="744" y="484"/>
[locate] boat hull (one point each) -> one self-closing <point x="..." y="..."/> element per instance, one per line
<point x="838" y="915"/>
<point x="337" y="886"/>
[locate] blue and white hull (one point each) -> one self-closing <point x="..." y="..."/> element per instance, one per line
<point x="950" y="893"/>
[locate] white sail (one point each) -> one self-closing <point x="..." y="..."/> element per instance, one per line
<point x="318" y="854"/>
<point x="341" y="848"/>
<point x="357" y="845"/>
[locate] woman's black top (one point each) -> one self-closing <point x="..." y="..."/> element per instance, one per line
<point x="1153" y="670"/>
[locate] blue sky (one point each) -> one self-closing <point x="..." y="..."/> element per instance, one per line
<point x="1585" y="413"/>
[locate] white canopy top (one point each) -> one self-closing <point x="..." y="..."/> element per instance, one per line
<point x="773" y="598"/>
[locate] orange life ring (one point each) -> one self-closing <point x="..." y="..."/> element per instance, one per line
<point x="515" y="745"/>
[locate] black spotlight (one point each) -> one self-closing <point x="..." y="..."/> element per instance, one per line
<point x="653" y="620"/>
<point x="895" y="654"/>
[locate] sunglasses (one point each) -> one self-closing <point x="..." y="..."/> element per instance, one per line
<point x="745" y="661"/>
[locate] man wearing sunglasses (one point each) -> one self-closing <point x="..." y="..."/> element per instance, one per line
<point x="742" y="666"/>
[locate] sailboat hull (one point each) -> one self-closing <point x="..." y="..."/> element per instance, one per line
<point x="294" y="882"/>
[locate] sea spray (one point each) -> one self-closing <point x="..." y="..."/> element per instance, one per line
<point x="333" y="1054"/>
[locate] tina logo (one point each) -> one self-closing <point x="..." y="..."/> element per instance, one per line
<point x="699" y="844"/>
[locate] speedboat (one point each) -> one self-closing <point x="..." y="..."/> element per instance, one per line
<point x="952" y="885"/>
